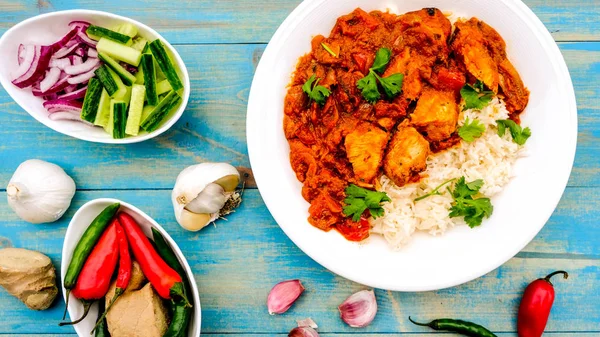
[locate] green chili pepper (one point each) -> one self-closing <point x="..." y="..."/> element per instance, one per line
<point x="459" y="326"/>
<point x="102" y="328"/>
<point x="85" y="245"/>
<point x="181" y="312"/>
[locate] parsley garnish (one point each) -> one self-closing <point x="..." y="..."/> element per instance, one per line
<point x="475" y="96"/>
<point x="327" y="49"/>
<point x="519" y="135"/>
<point x="473" y="210"/>
<point x="392" y="85"/>
<point x="359" y="199"/>
<point x="471" y="130"/>
<point x="315" y="92"/>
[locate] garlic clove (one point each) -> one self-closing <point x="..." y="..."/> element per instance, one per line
<point x="283" y="295"/>
<point x="210" y="200"/>
<point x="229" y="183"/>
<point x="305" y="331"/>
<point x="359" y="309"/>
<point x="307" y="322"/>
<point x="194" y="221"/>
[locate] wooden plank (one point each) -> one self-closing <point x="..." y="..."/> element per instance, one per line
<point x="247" y="21"/>
<point x="239" y="260"/>
<point x="213" y="126"/>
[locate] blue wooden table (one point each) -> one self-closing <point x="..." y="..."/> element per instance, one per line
<point x="237" y="261"/>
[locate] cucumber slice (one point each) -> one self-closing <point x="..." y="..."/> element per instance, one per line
<point x="139" y="76"/>
<point x="163" y="87"/>
<point x="119" y="51"/>
<point x="104" y="76"/>
<point x="103" y="113"/>
<point x="121" y="87"/>
<point x="147" y="64"/>
<point x="97" y="33"/>
<point x="128" y="29"/>
<point x="119" y="114"/>
<point x="91" y="100"/>
<point x="146" y="112"/>
<point x="136" y="108"/>
<point x="126" y="97"/>
<point x="161" y="111"/>
<point x="139" y="43"/>
<point x="165" y="64"/>
<point x="110" y="126"/>
<point x="127" y="77"/>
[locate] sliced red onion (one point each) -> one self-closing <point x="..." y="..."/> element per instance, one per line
<point x="63" y="105"/>
<point x="80" y="52"/>
<point x="66" y="115"/>
<point x="83" y="78"/>
<point x="69" y="89"/>
<point x="52" y="76"/>
<point x="75" y="94"/>
<point x="21" y="53"/>
<point x="283" y="295"/>
<point x="60" y="63"/>
<point x="82" y="36"/>
<point x="131" y="69"/>
<point x="64" y="40"/>
<point x="29" y="55"/>
<point x="66" y="50"/>
<point x="50" y="97"/>
<point x="359" y="309"/>
<point x="77" y="60"/>
<point x="37" y="68"/>
<point x="82" y="25"/>
<point x="59" y="86"/>
<point x="92" y="53"/>
<point x="84" y="67"/>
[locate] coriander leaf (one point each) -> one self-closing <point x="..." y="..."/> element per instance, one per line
<point x="436" y="191"/>
<point x="359" y="199"/>
<point x="519" y="135"/>
<point x="382" y="58"/>
<point x="475" y="96"/>
<point x="368" y="86"/>
<point x="392" y="85"/>
<point x="473" y="210"/>
<point x="471" y="130"/>
<point x="315" y="92"/>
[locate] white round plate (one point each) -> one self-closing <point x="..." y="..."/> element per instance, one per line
<point x="48" y="28"/>
<point x="80" y="222"/>
<point x="461" y="254"/>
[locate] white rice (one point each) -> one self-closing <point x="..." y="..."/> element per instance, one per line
<point x="489" y="157"/>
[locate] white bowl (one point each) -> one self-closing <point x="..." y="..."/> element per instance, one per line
<point x="80" y="222"/>
<point x="461" y="254"/>
<point x="48" y="28"/>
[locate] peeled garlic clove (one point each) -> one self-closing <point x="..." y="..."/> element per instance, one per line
<point x="193" y="221"/>
<point x="229" y="183"/>
<point x="283" y="295"/>
<point x="359" y="309"/>
<point x="303" y="332"/>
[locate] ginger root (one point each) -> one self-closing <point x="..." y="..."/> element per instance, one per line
<point x="28" y="275"/>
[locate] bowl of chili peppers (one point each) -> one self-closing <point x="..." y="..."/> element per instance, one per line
<point x="102" y="241"/>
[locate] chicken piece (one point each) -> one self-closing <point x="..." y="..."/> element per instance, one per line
<point x="436" y="114"/>
<point x="427" y="30"/>
<point x="410" y="66"/>
<point x="324" y="212"/>
<point x="406" y="156"/>
<point x="364" y="148"/>
<point x="470" y="46"/>
<point x="515" y="93"/>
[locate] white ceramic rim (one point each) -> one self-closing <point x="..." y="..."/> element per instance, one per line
<point x="131" y="139"/>
<point x="65" y="260"/>
<point x="260" y="170"/>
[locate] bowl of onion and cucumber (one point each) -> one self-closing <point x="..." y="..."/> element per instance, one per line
<point x="162" y="270"/>
<point x="81" y="73"/>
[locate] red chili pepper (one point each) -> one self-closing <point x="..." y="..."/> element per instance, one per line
<point x="165" y="280"/>
<point x="536" y="305"/>
<point x="94" y="280"/>
<point x="124" y="274"/>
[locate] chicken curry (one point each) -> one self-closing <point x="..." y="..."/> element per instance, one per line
<point x="378" y="96"/>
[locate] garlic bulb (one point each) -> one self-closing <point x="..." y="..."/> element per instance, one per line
<point x="40" y="191"/>
<point x="203" y="193"/>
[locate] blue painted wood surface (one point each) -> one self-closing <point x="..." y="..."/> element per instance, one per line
<point x="237" y="262"/>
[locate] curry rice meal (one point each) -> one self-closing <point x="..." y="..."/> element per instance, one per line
<point x="399" y="123"/>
